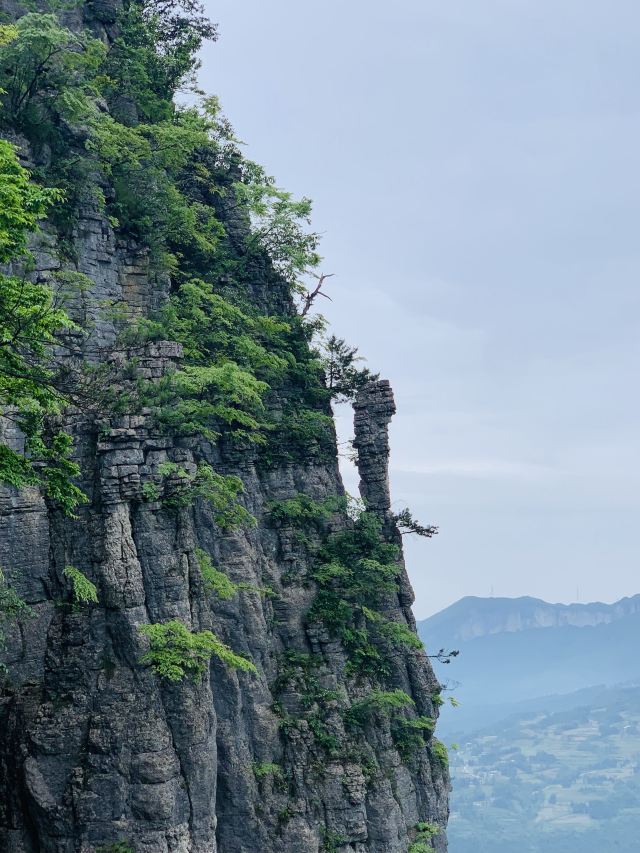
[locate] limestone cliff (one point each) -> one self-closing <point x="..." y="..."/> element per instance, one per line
<point x="96" y="748"/>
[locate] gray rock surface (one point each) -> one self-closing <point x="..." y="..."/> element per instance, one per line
<point x="94" y="747"/>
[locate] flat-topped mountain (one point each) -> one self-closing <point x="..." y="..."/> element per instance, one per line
<point x="472" y="617"/>
<point x="523" y="650"/>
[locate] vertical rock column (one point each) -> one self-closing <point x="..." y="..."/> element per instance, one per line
<point x="373" y="409"/>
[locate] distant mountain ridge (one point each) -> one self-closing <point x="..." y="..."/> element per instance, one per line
<point x="473" y="617"/>
<point x="524" y="650"/>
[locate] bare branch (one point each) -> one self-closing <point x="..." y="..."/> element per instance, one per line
<point x="317" y="291"/>
<point x="444" y="656"/>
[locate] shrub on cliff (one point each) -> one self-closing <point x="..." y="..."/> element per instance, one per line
<point x="175" y="652"/>
<point x="31" y="318"/>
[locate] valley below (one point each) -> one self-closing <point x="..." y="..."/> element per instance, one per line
<point x="555" y="773"/>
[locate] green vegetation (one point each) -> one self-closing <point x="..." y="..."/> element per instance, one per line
<point x="31" y="317"/>
<point x="278" y="224"/>
<point x="12" y="608"/>
<point x="301" y="434"/>
<point x="318" y="706"/>
<point x="155" y="54"/>
<point x="395" y="633"/>
<point x="412" y="735"/>
<point x="175" y="652"/>
<point x="234" y="249"/>
<point x="163" y="175"/>
<point x="425" y="832"/>
<point x="332" y="840"/>
<point x="342" y="377"/>
<point x="265" y="769"/>
<point x="180" y="488"/>
<point x="150" y="492"/>
<point x="206" y="400"/>
<point x="407" y="524"/>
<point x="385" y="702"/>
<point x="48" y="76"/>
<point x="83" y="590"/>
<point x="214" y="580"/>
<point x="356" y="570"/>
<point x="302" y="511"/>
<point x="439" y="750"/>
<point x="231" y="356"/>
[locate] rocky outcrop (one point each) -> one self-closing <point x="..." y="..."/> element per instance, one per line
<point x="373" y="409"/>
<point x="94" y="747"/>
<point x="99" y="753"/>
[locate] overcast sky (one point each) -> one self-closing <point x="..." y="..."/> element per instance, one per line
<point x="474" y="168"/>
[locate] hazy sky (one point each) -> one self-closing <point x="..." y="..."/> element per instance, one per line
<point x="475" y="172"/>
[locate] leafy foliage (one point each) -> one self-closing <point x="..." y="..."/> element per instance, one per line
<point x="30" y="319"/>
<point x="175" y="652"/>
<point x="12" y="608"/>
<point x="155" y="54"/>
<point x="173" y="180"/>
<point x="332" y="841"/>
<point x="234" y="358"/>
<point x="357" y="569"/>
<point x="213" y="330"/>
<point x="410" y="735"/>
<point x="407" y="524"/>
<point x="214" y="580"/>
<point x="396" y="633"/>
<point x="318" y="706"/>
<point x="47" y="76"/>
<point x="143" y="163"/>
<point x="22" y="204"/>
<point x="343" y="378"/>
<point x="303" y="511"/>
<point x="385" y="702"/>
<point x="163" y="173"/>
<point x="150" y="491"/>
<point x="83" y="590"/>
<point x="207" y="401"/>
<point x="278" y="222"/>
<point x="265" y="768"/>
<point x="439" y="750"/>
<point x="180" y="488"/>
<point x="425" y="833"/>
<point x="301" y="434"/>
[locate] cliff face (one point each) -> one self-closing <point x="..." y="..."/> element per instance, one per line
<point x="97" y="749"/>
